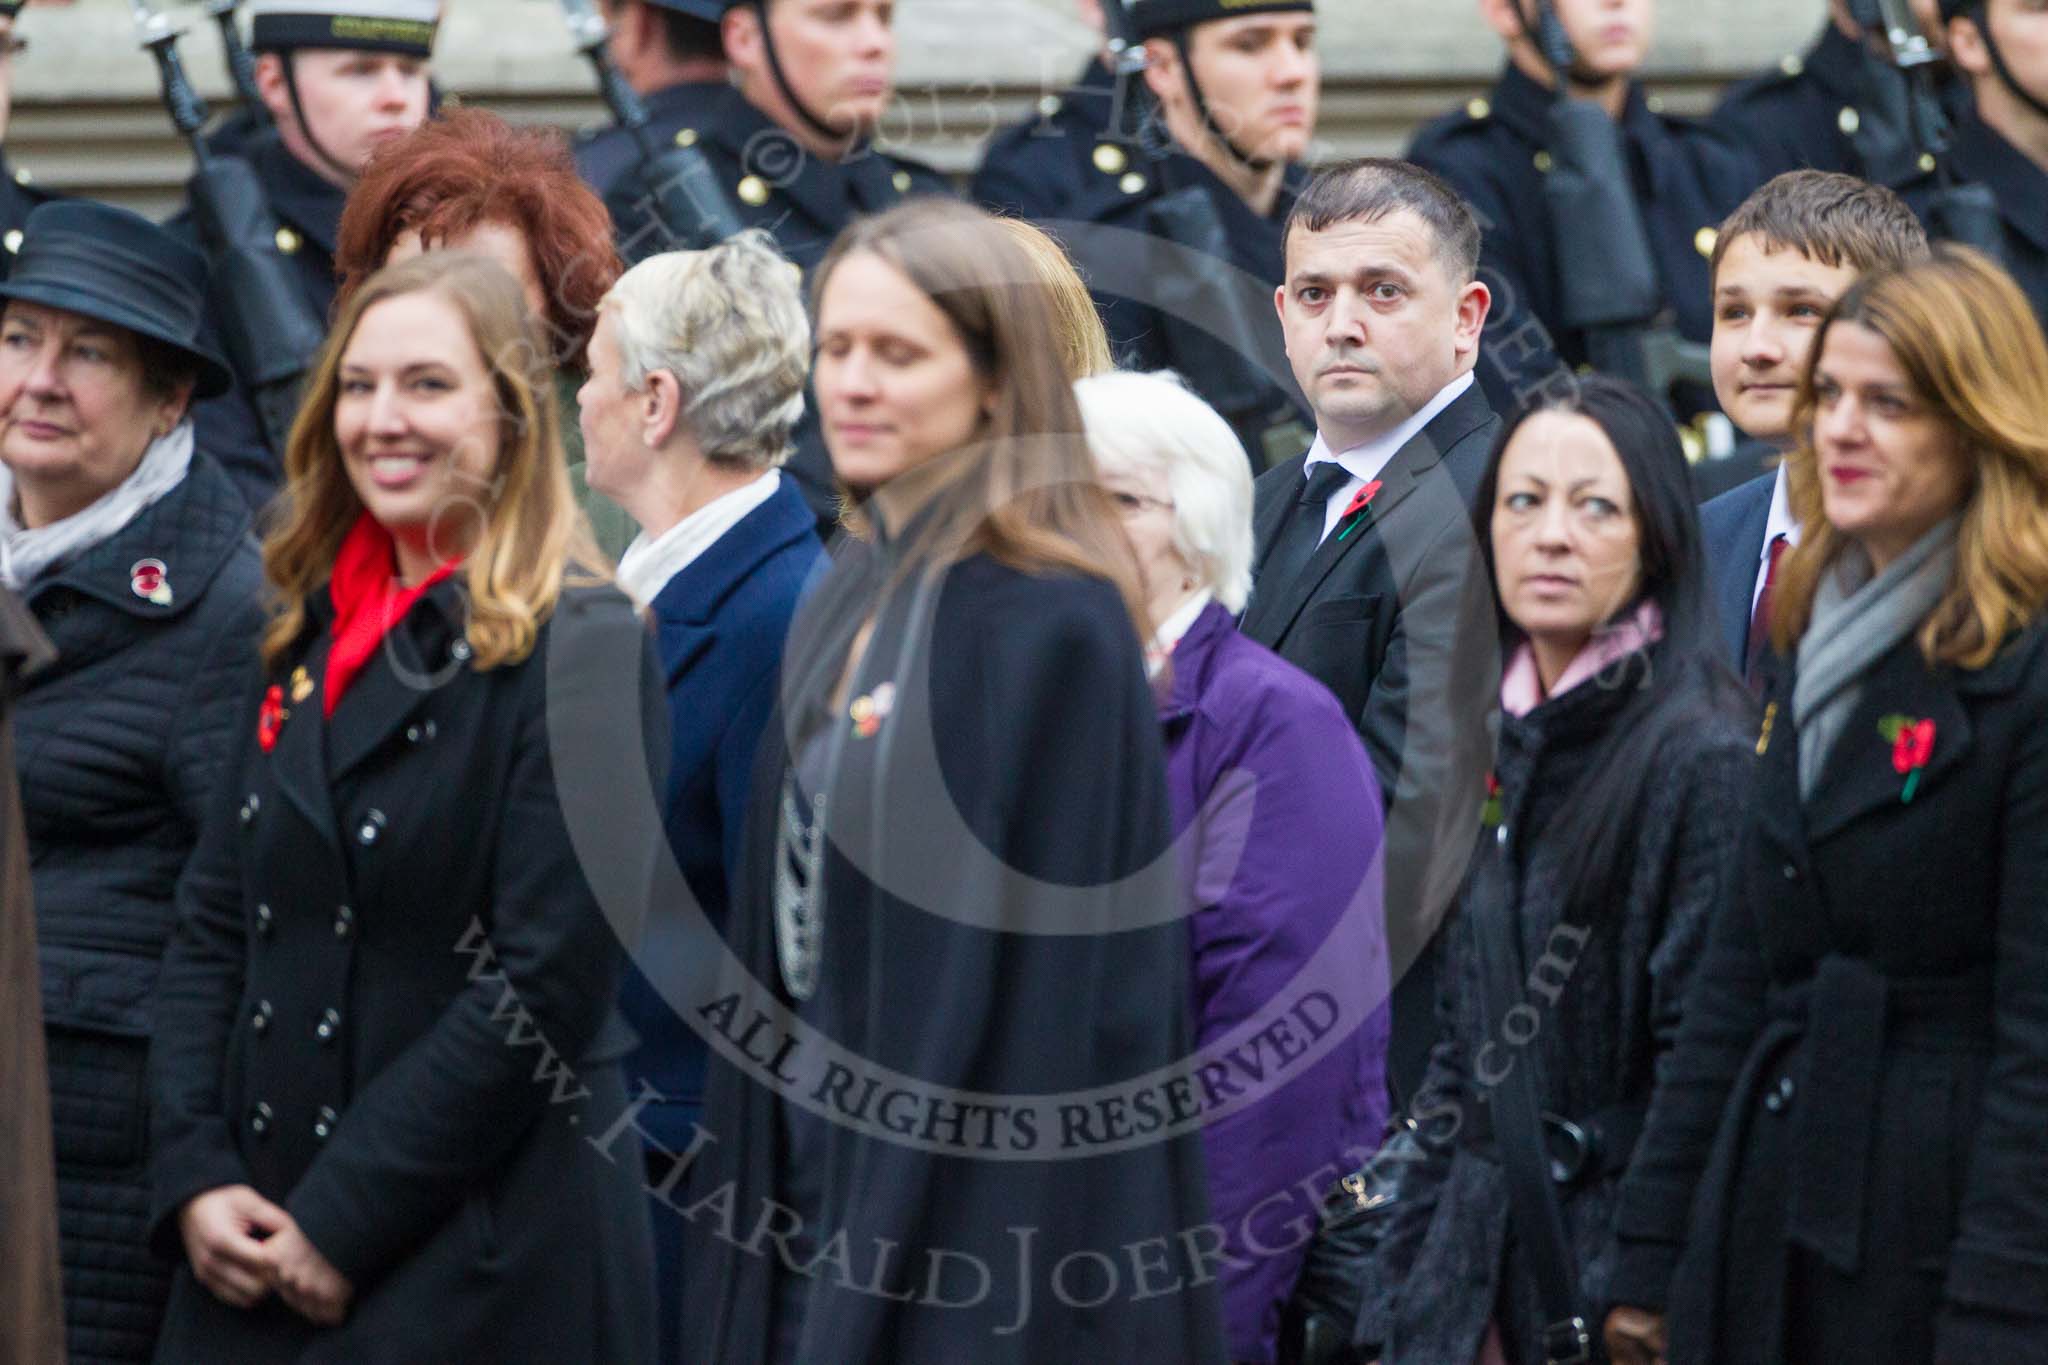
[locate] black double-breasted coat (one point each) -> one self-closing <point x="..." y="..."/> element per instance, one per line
<point x="1843" y="1161"/>
<point x="389" y="1003"/>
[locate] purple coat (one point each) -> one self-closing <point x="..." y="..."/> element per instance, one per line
<point x="1274" y="865"/>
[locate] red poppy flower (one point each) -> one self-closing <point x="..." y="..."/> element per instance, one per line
<point x="1913" y="747"/>
<point x="270" y="717"/>
<point x="1362" y="499"/>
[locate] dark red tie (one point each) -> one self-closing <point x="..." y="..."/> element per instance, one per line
<point x="1760" y="619"/>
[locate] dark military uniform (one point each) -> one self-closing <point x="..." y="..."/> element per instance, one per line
<point x="1980" y="156"/>
<point x="19" y="197"/>
<point x="1825" y="111"/>
<point x="611" y="154"/>
<point x="1046" y="166"/>
<point x="1154" y="304"/>
<point x="803" y="201"/>
<point x="1687" y="179"/>
<point x="308" y="210"/>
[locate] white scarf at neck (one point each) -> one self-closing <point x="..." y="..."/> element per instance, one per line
<point x="26" y="555"/>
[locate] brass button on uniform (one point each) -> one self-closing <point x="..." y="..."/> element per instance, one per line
<point x="288" y="241"/>
<point x="1927" y="162"/>
<point x="344" y="921"/>
<point x="372" y="827"/>
<point x="1544" y="162"/>
<point x="329" y="1027"/>
<point x="260" y="1119"/>
<point x="1705" y="240"/>
<point x="1111" y="159"/>
<point x="686" y="137"/>
<point x="1654" y="103"/>
<point x="460" y="650"/>
<point x="22" y="176"/>
<point x="1478" y="109"/>
<point x="1791" y="64"/>
<point x="1134" y="183"/>
<point x="266" y="921"/>
<point x="13" y="241"/>
<point x="753" y="191"/>
<point x="323" y="1124"/>
<point x="1049" y="106"/>
<point x="1849" y="120"/>
<point x="902" y="181"/>
<point x="260" y="1017"/>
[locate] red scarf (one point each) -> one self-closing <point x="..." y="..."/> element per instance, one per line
<point x="367" y="601"/>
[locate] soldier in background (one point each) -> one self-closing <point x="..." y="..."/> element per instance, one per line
<point x="1238" y="84"/>
<point x="2001" y="49"/>
<point x="340" y="79"/>
<point x="1824" y="110"/>
<point x="1044" y="167"/>
<point x="791" y="142"/>
<point x="18" y="193"/>
<point x="1686" y="180"/>
<point x="671" y="53"/>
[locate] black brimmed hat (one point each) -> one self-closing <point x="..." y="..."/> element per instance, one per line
<point x="117" y="267"/>
<point x="406" y="27"/>
<point x="1156" y="18"/>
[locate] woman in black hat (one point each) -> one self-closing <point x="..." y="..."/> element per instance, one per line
<point x="132" y="549"/>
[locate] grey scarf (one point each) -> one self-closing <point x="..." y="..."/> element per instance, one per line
<point x="1857" y="618"/>
<point x="26" y="555"/>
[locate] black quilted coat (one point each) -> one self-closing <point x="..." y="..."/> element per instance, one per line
<point x="120" y="741"/>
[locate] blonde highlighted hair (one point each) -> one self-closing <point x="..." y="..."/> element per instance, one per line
<point x="523" y="529"/>
<point x="1084" y="344"/>
<point x="1969" y="343"/>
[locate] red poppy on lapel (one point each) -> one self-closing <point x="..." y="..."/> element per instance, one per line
<point x="1489" y="813"/>
<point x="270" y="717"/>
<point x="1912" y="746"/>
<point x="1360" y="500"/>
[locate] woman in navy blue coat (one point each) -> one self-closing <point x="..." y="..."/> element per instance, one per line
<point x="955" y="897"/>
<point x="697" y="373"/>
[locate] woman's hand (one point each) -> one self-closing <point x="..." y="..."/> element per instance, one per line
<point x="224" y="1232"/>
<point x="305" y="1280"/>
<point x="1635" y="1337"/>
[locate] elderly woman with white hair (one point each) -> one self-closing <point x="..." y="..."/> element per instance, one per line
<point x="1278" y="817"/>
<point x="697" y="372"/>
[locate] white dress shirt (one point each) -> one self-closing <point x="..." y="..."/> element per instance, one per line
<point x="1365" y="463"/>
<point x="648" y="565"/>
<point x="1778" y="522"/>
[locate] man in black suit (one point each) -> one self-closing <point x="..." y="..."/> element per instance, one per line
<point x="1366" y="574"/>
<point x="1779" y="264"/>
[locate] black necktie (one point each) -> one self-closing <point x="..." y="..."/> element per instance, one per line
<point x="1298" y="539"/>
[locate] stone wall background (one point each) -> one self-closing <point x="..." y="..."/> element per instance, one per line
<point x="87" y="118"/>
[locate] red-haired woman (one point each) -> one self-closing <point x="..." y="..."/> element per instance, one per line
<point x="472" y="182"/>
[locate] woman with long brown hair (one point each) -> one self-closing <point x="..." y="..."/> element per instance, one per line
<point x="388" y="943"/>
<point x="1842" y="1160"/>
<point x="958" y="902"/>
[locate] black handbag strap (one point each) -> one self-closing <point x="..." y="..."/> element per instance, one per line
<point x="1524" y="1153"/>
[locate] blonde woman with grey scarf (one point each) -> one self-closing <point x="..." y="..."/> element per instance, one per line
<point x="1843" y="1157"/>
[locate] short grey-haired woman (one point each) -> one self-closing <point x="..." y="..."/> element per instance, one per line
<point x="697" y="373"/>
<point x="1281" y="873"/>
